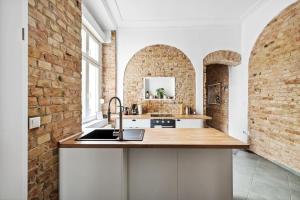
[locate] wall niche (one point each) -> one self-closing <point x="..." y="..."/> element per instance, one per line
<point x="160" y="61"/>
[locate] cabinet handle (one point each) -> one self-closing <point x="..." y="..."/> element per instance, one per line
<point x="134" y="120"/>
<point x="178" y="120"/>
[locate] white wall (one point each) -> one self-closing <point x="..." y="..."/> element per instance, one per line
<point x="13" y="100"/>
<point x="196" y="43"/>
<point x="252" y="26"/>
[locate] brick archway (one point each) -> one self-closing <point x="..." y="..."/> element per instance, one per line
<point x="165" y="61"/>
<point x="273" y="90"/>
<point x="215" y="72"/>
<point x="221" y="57"/>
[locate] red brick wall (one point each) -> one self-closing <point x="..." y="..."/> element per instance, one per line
<point x="54" y="88"/>
<point x="274" y="90"/>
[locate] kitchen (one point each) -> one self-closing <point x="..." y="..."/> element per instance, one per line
<point x="149" y="99"/>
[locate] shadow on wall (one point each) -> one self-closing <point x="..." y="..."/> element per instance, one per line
<point x="160" y="61"/>
<point x="274" y="85"/>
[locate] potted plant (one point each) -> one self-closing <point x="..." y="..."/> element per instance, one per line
<point x="160" y="92"/>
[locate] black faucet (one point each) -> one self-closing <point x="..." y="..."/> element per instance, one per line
<point x="120" y="133"/>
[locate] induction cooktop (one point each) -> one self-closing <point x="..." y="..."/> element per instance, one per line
<point x="161" y="115"/>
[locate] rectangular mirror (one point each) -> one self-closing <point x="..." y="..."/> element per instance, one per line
<point x="159" y="88"/>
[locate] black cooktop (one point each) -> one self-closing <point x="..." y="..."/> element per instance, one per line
<point x="162" y="115"/>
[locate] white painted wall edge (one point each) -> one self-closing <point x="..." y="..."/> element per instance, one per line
<point x="14" y="99"/>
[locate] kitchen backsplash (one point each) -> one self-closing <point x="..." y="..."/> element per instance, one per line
<point x="160" y="61"/>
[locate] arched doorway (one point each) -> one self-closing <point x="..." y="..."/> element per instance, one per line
<point x="216" y="86"/>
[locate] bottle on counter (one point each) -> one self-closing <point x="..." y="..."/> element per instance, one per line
<point x="181" y="109"/>
<point x="187" y="110"/>
<point x="140" y="109"/>
<point x="147" y="95"/>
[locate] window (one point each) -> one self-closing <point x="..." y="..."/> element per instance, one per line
<point x="91" y="71"/>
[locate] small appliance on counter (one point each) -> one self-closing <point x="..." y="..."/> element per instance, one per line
<point x="126" y="111"/>
<point x="134" y="109"/>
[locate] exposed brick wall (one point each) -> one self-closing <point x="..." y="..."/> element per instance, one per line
<point x="109" y="72"/>
<point x="274" y="90"/>
<point x="54" y="88"/>
<point x="222" y="57"/>
<point x="219" y="112"/>
<point x="160" y="60"/>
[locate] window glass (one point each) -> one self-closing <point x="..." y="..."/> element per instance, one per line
<point x="91" y="69"/>
<point x="83" y="89"/>
<point x="93" y="89"/>
<point x="83" y="40"/>
<point x="93" y="49"/>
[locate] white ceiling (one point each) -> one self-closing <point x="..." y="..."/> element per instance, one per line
<point x="179" y="13"/>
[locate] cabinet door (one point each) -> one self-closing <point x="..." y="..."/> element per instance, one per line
<point x="152" y="174"/>
<point x="91" y="173"/>
<point x="205" y="174"/>
<point x="136" y="123"/>
<point x="189" y="123"/>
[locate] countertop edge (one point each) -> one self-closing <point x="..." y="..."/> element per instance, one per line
<point x="163" y="146"/>
<point x="70" y="142"/>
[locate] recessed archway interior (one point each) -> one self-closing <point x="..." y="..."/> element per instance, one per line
<point x="160" y="61"/>
<point x="216" y="87"/>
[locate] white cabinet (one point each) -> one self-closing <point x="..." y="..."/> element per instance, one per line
<point x="189" y="123"/>
<point x="134" y="123"/>
<point x="92" y="173"/>
<point x="202" y="176"/>
<point x="145" y="123"/>
<point x="152" y="174"/>
<point x="145" y="174"/>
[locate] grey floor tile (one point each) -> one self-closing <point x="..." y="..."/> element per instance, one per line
<point x="295" y="195"/>
<point x="256" y="197"/>
<point x="255" y="178"/>
<point x="269" y="191"/>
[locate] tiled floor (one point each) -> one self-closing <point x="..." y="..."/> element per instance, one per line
<point x="255" y="178"/>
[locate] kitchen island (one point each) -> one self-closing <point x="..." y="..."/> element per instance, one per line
<point x="167" y="164"/>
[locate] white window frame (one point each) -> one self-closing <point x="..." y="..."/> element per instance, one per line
<point x="89" y="60"/>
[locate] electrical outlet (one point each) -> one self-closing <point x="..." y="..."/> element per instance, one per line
<point x="34" y="122"/>
<point x="245" y="132"/>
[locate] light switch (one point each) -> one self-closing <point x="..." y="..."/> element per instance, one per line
<point x="34" y="122"/>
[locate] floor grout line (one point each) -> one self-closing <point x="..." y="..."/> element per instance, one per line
<point x="252" y="177"/>
<point x="290" y="188"/>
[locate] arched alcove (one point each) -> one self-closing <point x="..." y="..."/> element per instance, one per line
<point x="274" y="90"/>
<point x="160" y="61"/>
<point x="216" y="79"/>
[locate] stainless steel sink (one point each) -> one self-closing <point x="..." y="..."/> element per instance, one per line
<point x="109" y="135"/>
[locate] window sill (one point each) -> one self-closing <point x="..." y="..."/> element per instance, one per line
<point x="98" y="123"/>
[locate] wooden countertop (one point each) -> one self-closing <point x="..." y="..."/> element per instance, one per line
<point x="175" y="116"/>
<point x="165" y="138"/>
